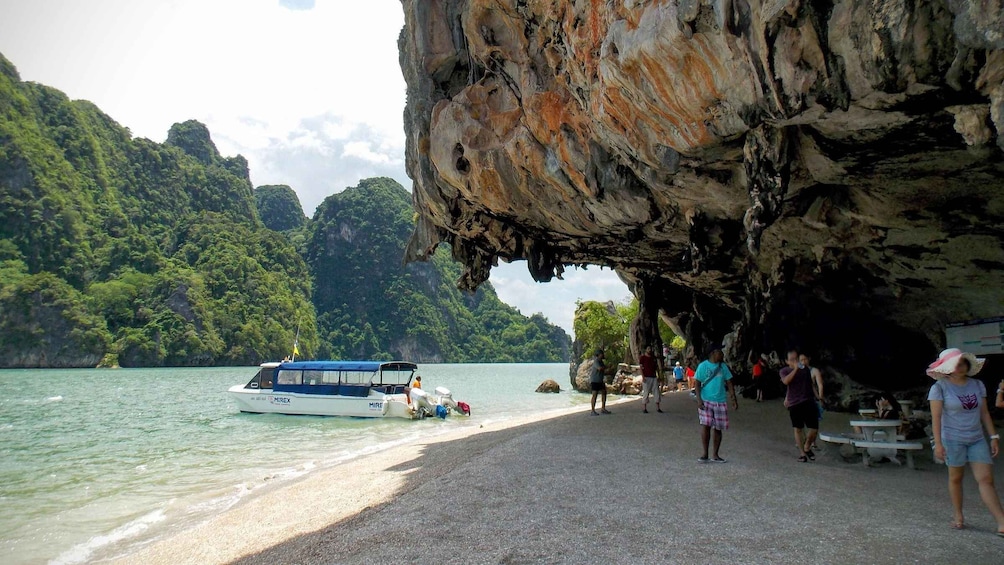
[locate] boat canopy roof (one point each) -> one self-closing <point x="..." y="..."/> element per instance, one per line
<point x="360" y="366"/>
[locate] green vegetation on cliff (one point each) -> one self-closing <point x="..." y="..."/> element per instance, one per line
<point x="121" y="249"/>
<point x="606" y="325"/>
<point x="279" y="207"/>
<point x="370" y="305"/>
<point x="151" y="252"/>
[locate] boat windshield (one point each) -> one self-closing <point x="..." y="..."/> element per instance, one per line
<point x="396" y="374"/>
<point x="262" y="379"/>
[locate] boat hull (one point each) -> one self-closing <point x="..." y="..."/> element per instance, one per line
<point x="376" y="405"/>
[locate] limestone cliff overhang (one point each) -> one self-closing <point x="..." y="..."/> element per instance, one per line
<point x="829" y="173"/>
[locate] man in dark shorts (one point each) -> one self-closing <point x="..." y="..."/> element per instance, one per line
<point x="596" y="383"/>
<point x="801" y="404"/>
<point x="650" y="380"/>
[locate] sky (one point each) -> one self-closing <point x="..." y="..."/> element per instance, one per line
<point x="309" y="91"/>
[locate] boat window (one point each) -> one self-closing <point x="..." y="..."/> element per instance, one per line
<point x="313" y="377"/>
<point x="266" y="377"/>
<point x="393" y="377"/>
<point x="290" y="377"/>
<point x="356" y="377"/>
<point x="253" y="383"/>
<point x="330" y="378"/>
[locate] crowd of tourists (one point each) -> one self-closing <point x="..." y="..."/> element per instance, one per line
<point x="961" y="421"/>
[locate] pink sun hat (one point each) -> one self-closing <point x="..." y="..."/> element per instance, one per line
<point x="949" y="359"/>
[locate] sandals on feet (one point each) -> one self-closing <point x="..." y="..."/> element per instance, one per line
<point x="960" y="525"/>
<point x="802" y="458"/>
<point x="810" y="455"/>
<point x="718" y="460"/>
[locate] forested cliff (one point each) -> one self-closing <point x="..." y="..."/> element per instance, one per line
<point x="371" y="306"/>
<point x="150" y="252"/>
<point x="116" y="249"/>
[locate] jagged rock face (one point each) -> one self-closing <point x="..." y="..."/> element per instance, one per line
<point x="826" y="174"/>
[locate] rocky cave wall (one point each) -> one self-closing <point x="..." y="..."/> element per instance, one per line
<point x="827" y="174"/>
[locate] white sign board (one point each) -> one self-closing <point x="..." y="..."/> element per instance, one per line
<point x="982" y="337"/>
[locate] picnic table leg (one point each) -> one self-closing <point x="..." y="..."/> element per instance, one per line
<point x="864" y="457"/>
<point x="909" y="459"/>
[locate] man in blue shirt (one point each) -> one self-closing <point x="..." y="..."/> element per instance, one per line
<point x="678" y="377"/>
<point x="714" y="389"/>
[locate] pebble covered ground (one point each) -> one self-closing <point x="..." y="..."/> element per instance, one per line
<point x="627" y="488"/>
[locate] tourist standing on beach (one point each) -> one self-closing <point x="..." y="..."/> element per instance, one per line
<point x="596" y="383"/>
<point x="817" y="381"/>
<point x="801" y="404"/>
<point x="959" y="415"/>
<point x="713" y="389"/>
<point x="689" y="373"/>
<point x="649" y="381"/>
<point x="678" y="377"/>
<point x="1000" y="395"/>
<point x="758" y="371"/>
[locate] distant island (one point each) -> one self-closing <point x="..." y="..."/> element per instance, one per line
<point x="117" y="250"/>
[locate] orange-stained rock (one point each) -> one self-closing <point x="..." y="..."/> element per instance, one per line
<point x="760" y="171"/>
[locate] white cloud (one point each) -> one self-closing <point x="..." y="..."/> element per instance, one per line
<point x="361" y="149"/>
<point x="556" y="299"/>
<point x="254" y="71"/>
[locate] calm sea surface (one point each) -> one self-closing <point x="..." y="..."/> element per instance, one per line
<point x="93" y="462"/>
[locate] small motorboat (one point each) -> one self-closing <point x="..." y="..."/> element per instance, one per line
<point x="363" y="389"/>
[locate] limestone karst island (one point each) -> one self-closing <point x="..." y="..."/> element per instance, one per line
<point x="507" y="281"/>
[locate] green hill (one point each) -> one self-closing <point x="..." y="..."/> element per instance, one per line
<point x="279" y="207"/>
<point x="372" y="306"/>
<point x="112" y="246"/>
<point x="115" y="249"/>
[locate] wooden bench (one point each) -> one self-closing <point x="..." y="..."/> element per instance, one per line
<point x="893" y="446"/>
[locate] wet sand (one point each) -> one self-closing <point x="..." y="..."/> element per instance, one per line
<point x="617" y="488"/>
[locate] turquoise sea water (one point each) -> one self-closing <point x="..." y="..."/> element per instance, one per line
<point x="93" y="462"/>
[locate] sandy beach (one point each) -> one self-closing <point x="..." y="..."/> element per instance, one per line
<point x="577" y="488"/>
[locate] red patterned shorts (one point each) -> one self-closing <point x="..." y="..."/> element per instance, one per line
<point x="714" y="415"/>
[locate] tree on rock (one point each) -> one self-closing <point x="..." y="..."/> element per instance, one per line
<point x="279" y="208"/>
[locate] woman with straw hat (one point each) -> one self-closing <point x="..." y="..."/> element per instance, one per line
<point x="959" y="413"/>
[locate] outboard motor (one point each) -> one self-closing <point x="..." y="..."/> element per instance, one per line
<point x="446" y="399"/>
<point x="422" y="402"/>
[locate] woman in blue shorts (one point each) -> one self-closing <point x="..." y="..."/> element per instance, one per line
<point x="960" y="414"/>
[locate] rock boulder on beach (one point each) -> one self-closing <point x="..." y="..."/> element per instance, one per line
<point x="549" y="386"/>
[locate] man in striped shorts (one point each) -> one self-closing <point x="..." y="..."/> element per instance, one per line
<point x="714" y="389"/>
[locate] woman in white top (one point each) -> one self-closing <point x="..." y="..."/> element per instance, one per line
<point x="960" y="414"/>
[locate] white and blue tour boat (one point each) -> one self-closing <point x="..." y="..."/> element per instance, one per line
<point x="364" y="389"/>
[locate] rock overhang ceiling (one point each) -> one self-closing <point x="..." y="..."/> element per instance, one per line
<point x="821" y="174"/>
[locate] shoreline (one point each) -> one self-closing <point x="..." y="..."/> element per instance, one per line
<point x="566" y="487"/>
<point x="274" y="514"/>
